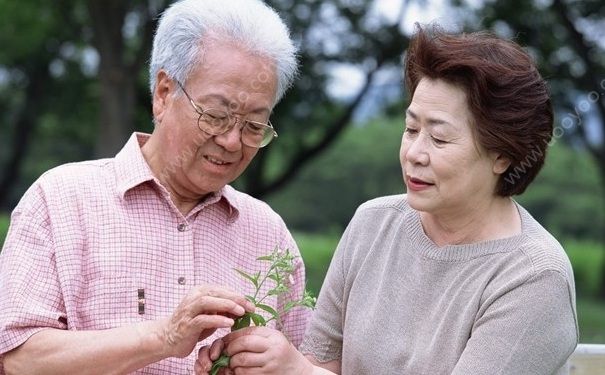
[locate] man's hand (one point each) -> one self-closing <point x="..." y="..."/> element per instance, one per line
<point x="199" y="314"/>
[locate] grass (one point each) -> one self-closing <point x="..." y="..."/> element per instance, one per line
<point x="591" y="319"/>
<point x="4" y="220"/>
<point x="317" y="252"/>
<point x="586" y="259"/>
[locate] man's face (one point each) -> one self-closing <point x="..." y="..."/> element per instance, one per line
<point x="188" y="161"/>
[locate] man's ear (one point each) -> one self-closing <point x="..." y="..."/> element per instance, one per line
<point x="501" y="163"/>
<point x="161" y="95"/>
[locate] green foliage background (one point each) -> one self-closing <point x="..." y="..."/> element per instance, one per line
<point x="566" y="197"/>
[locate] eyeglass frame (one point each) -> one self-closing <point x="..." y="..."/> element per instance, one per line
<point x="238" y="118"/>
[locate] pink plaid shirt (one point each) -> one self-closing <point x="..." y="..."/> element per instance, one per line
<point x="88" y="236"/>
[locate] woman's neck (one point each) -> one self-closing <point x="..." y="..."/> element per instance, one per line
<point x="497" y="219"/>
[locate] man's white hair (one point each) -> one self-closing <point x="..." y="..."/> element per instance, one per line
<point x="184" y="27"/>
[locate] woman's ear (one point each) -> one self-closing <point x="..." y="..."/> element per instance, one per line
<point x="501" y="163"/>
<point x="161" y="95"/>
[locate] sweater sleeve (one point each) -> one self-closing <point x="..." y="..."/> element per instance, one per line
<point x="531" y="329"/>
<point x="323" y="339"/>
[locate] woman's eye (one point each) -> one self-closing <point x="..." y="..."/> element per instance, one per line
<point x="410" y="130"/>
<point x="438" y="141"/>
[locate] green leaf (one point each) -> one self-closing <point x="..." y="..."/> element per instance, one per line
<point x="222" y="361"/>
<point x="290" y="305"/>
<point x="251" y="299"/>
<point x="268" y="309"/>
<point x="258" y="320"/>
<point x="253" y="279"/>
<point x="241" y="322"/>
<point x="266" y="257"/>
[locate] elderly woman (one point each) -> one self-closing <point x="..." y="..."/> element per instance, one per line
<point x="453" y="277"/>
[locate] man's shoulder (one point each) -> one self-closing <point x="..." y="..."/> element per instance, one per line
<point x="61" y="185"/>
<point x="246" y="203"/>
<point x="81" y="172"/>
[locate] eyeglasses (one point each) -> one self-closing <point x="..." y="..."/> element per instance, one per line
<point x="216" y="122"/>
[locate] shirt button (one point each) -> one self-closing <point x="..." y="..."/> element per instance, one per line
<point x="181" y="280"/>
<point x="181" y="227"/>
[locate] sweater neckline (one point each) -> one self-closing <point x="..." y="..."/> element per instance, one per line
<point x="462" y="252"/>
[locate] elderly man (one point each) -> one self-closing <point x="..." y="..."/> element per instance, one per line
<point x="112" y="266"/>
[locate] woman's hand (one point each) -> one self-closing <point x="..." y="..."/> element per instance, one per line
<point x="255" y="350"/>
<point x="207" y="355"/>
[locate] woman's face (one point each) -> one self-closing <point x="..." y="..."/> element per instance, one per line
<point x="444" y="169"/>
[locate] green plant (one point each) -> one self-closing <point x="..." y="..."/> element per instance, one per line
<point x="281" y="267"/>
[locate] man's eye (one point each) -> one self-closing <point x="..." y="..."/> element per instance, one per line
<point x="254" y="127"/>
<point x="215" y="116"/>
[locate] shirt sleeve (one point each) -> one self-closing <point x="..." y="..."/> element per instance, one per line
<point x="531" y="329"/>
<point x="30" y="294"/>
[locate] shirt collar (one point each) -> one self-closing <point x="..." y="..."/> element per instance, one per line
<point x="132" y="171"/>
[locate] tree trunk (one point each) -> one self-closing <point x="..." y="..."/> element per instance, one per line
<point x="116" y="79"/>
<point x="117" y="110"/>
<point x="24" y="127"/>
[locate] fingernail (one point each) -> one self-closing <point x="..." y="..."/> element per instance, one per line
<point x="239" y="310"/>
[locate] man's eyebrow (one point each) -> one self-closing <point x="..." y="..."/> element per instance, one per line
<point x="431" y="121"/>
<point x="224" y="102"/>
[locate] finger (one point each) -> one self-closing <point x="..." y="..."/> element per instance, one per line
<point x="216" y="349"/>
<point x="224" y="293"/>
<point x="200" y="369"/>
<point x="249" y="343"/>
<point x="204" y="361"/>
<point x="210" y="322"/>
<point x="247" y="360"/>
<point x="258" y="331"/>
<point x="216" y="305"/>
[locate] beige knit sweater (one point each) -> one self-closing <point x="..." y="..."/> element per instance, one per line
<point x="395" y="303"/>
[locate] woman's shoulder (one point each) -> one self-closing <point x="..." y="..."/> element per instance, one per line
<point x="385" y="203"/>
<point x="544" y="251"/>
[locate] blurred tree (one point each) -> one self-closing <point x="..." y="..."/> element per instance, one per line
<point x="66" y="63"/>
<point x="63" y="64"/>
<point x="121" y="32"/>
<point x="31" y="35"/>
<point x="329" y="33"/>
<point x="93" y="52"/>
<point x="362" y="164"/>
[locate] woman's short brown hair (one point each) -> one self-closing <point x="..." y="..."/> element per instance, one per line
<point x="507" y="97"/>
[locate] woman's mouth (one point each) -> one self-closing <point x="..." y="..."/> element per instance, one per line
<point x="416" y="184"/>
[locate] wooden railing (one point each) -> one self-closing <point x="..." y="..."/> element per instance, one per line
<point x="588" y="359"/>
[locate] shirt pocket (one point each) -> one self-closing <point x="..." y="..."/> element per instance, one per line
<point x="109" y="301"/>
